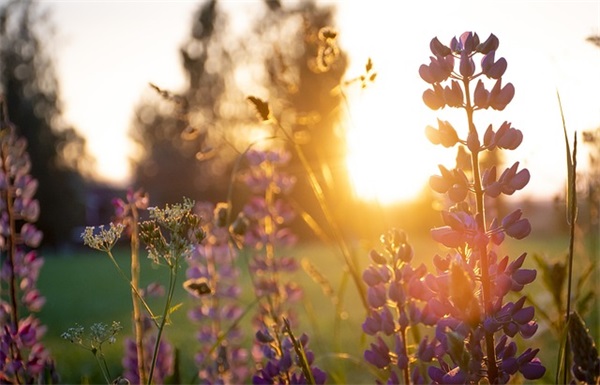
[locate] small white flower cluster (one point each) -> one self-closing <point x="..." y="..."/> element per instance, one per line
<point x="103" y="240"/>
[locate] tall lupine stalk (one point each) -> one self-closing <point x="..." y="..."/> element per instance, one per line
<point x="464" y="299"/>
<point x="22" y="355"/>
<point x="212" y="270"/>
<point x="267" y="214"/>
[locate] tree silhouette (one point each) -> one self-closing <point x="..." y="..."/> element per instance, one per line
<point x="190" y="139"/>
<point x="31" y="90"/>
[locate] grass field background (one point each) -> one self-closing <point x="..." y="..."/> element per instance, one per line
<point x="82" y="286"/>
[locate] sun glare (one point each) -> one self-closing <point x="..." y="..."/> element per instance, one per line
<point x="389" y="158"/>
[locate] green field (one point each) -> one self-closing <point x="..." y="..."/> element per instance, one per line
<point x="83" y="287"/>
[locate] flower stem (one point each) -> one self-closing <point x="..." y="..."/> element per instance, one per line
<point x="482" y="243"/>
<point x="405" y="352"/>
<point x="135" y="275"/>
<point x="165" y="316"/>
<point x="103" y="368"/>
<point x="572" y="220"/>
<point x="133" y="288"/>
<point x="12" y="244"/>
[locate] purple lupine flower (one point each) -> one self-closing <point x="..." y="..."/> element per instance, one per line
<point x="165" y="357"/>
<point x="213" y="264"/>
<point x="283" y="365"/>
<point x="23" y="358"/>
<point x="463" y="300"/>
<point x="465" y="229"/>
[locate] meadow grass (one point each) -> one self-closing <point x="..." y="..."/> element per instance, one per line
<point x="82" y="287"/>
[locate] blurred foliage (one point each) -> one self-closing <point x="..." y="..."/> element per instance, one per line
<point x="189" y="140"/>
<point x="29" y="85"/>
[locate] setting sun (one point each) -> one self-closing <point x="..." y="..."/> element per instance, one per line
<point x="389" y="158"/>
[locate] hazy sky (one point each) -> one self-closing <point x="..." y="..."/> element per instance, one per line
<point x="107" y="52"/>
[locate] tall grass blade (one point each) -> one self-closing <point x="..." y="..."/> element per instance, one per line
<point x="571" y="202"/>
<point x="571" y="197"/>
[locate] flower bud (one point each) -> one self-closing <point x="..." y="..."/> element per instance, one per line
<point x="378" y="355"/>
<point x="372" y="324"/>
<point x="490" y="44"/>
<point x="500" y="96"/>
<point x="481" y="96"/>
<point x="453" y="94"/>
<point x="518" y="230"/>
<point x="434" y="99"/>
<point x="264" y="337"/>
<point x="376" y="296"/>
<point x="466" y="66"/>
<point x="438" y="49"/>
<point x="377" y="257"/>
<point x="473" y="143"/>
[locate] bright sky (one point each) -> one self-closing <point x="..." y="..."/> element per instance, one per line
<point x="108" y="51"/>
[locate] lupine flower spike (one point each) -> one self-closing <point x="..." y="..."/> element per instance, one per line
<point x="23" y="358"/>
<point x="463" y="299"/>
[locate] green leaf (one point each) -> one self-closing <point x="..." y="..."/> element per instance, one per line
<point x="174" y="308"/>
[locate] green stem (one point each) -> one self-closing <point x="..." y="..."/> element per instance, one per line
<point x="299" y="349"/>
<point x="163" y="321"/>
<point x="103" y="368"/>
<point x="133" y="288"/>
<point x="572" y="219"/>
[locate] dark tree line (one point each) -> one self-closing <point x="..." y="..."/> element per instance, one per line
<point x="30" y="88"/>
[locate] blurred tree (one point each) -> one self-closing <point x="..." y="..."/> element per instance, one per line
<point x="29" y="85"/>
<point x="592" y="139"/>
<point x="189" y="140"/>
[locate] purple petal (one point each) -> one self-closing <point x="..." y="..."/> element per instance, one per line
<point x="528" y="330"/>
<point x="519" y="229"/>
<point x="532" y="370"/>
<point x="448" y="237"/>
<point x="524" y="315"/>
<point x="376" y="296"/>
<point x="438" y="49"/>
<point x="433" y="100"/>
<point x="524" y="276"/>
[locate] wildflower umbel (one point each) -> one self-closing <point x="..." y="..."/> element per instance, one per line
<point x="92" y="341"/>
<point x="181" y="227"/>
<point x="463" y="300"/>
<point x="102" y="239"/>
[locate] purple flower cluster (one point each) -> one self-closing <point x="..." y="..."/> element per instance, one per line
<point x="165" y="356"/>
<point x="23" y="358"/>
<point x="221" y="358"/>
<point x="463" y="298"/>
<point x="283" y="363"/>
<point x="268" y="214"/>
